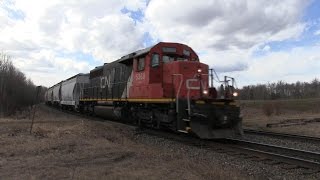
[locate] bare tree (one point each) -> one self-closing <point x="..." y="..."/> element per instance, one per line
<point x="16" y="91"/>
<point x="281" y="90"/>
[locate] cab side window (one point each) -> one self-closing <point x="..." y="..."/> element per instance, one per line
<point x="141" y="64"/>
<point x="155" y="60"/>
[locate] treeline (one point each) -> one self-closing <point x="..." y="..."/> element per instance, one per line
<point x="281" y="90"/>
<point x="16" y="91"/>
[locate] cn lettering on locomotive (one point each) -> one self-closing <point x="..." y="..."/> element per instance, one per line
<point x="164" y="86"/>
<point x="140" y="77"/>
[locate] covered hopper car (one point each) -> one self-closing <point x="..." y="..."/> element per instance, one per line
<point x="71" y="90"/>
<point x="164" y="86"/>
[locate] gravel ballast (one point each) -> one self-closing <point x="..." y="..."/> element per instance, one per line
<point x="256" y="169"/>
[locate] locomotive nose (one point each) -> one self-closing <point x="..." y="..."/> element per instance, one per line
<point x="203" y="130"/>
<point x="213" y="123"/>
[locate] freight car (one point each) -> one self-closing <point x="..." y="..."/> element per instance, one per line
<point x="56" y="94"/>
<point x="165" y="87"/>
<point x="71" y="90"/>
<point x="49" y="96"/>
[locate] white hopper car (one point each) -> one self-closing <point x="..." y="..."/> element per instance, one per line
<point x="71" y="90"/>
<point x="66" y="94"/>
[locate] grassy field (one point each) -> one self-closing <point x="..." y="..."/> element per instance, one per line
<point x="259" y="114"/>
<point x="298" y="105"/>
<point x="63" y="146"/>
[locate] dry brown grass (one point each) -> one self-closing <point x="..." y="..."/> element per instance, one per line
<point x="257" y="114"/>
<point x="67" y="147"/>
<point x="268" y="109"/>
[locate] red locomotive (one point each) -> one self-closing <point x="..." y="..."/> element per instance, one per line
<point x="166" y="87"/>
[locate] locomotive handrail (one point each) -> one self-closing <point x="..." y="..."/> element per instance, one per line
<point x="193" y="88"/>
<point x="188" y="94"/>
<point x="178" y="92"/>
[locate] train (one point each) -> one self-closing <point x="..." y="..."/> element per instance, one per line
<point x="164" y="86"/>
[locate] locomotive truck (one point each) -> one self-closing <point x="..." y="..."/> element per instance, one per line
<point x="164" y="86"/>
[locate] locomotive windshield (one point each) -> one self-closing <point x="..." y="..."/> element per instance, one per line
<point x="170" y="54"/>
<point x="170" y="58"/>
<point x="169" y="49"/>
<point x="166" y="58"/>
<point x="186" y="52"/>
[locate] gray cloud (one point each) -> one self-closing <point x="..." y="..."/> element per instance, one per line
<point x="94" y="27"/>
<point x="238" y="66"/>
<point x="50" y="23"/>
<point x="226" y="42"/>
<point x="199" y="16"/>
<point x="226" y="31"/>
<point x="253" y="21"/>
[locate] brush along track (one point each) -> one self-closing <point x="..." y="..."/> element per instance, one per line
<point x="282" y="135"/>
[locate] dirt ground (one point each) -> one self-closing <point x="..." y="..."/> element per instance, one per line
<point x="63" y="146"/>
<point x="288" y="121"/>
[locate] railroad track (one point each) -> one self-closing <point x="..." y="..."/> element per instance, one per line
<point x="252" y="150"/>
<point x="282" y="135"/>
<point x="296" y="157"/>
<point x="293" y="158"/>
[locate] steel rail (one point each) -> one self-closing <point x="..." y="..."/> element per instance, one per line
<point x="300" y="158"/>
<point x="282" y="135"/>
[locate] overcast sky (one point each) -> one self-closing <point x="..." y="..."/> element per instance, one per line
<point x="254" y="41"/>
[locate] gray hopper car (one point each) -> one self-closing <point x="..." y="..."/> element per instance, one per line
<point x="71" y="90"/>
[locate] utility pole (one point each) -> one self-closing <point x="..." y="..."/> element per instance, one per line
<point x="36" y="98"/>
<point x="211" y="77"/>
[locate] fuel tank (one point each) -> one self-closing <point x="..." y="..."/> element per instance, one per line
<point x="108" y="112"/>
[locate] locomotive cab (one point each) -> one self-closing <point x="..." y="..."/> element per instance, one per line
<point x="161" y="72"/>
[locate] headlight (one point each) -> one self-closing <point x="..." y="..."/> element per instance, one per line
<point x="205" y="92"/>
<point x="235" y="94"/>
<point x="199" y="70"/>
